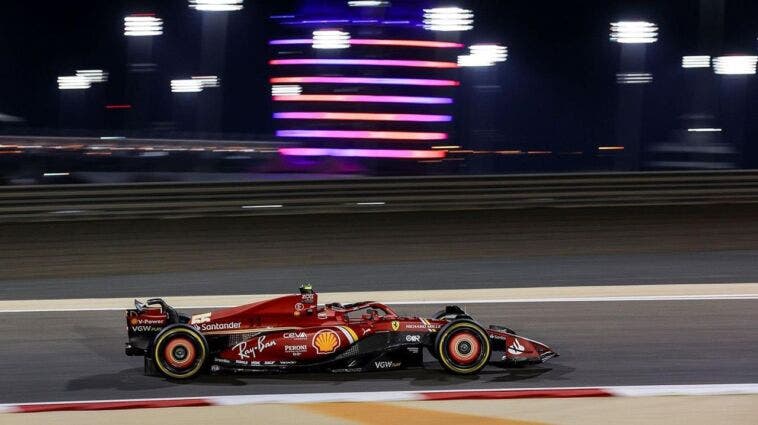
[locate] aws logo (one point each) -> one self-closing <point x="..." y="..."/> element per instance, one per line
<point x="326" y="341"/>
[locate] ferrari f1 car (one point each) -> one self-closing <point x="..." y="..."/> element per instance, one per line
<point x="295" y="333"/>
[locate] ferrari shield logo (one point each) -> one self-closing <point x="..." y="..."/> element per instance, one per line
<point x="395" y="325"/>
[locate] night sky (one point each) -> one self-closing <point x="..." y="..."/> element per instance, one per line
<point x="558" y="83"/>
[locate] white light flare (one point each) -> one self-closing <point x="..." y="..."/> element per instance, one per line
<point x="208" y="81"/>
<point x="368" y="3"/>
<point x="73" y="82"/>
<point x="93" y="75"/>
<point x="735" y="65"/>
<point x="634" y="78"/>
<point x="483" y="55"/>
<point x="286" y="90"/>
<point x="634" y="32"/>
<point x="704" y="130"/>
<point x="699" y="61"/>
<point x="142" y="26"/>
<point x="448" y="19"/>
<point x="217" y="5"/>
<point x="331" y="39"/>
<point x="186" y="86"/>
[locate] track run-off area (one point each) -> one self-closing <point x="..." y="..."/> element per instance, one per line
<point x="646" y="301"/>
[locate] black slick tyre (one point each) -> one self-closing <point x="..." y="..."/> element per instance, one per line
<point x="179" y="352"/>
<point x="463" y="347"/>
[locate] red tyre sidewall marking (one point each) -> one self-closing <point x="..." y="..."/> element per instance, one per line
<point x="168" y="353"/>
<point x="461" y="358"/>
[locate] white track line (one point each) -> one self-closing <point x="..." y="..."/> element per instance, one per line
<point x="639" y="293"/>
<point x="390" y="396"/>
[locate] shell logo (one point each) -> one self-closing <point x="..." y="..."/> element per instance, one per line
<point x="133" y="321"/>
<point x="326" y="341"/>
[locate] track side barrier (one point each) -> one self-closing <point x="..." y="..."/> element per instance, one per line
<point x="171" y="200"/>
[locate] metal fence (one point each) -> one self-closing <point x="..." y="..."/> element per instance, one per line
<point x="176" y="200"/>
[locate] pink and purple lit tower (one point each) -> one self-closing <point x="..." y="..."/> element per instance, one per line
<point x="366" y="80"/>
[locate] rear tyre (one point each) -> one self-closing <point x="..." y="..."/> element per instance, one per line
<point x="179" y="352"/>
<point x="463" y="347"/>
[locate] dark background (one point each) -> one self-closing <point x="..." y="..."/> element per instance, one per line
<point x="557" y="90"/>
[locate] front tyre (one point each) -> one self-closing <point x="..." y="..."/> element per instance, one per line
<point x="463" y="347"/>
<point x="179" y="352"/>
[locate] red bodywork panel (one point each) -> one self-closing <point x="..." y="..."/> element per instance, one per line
<point x="295" y="330"/>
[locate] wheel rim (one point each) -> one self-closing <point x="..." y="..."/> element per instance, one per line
<point x="464" y="348"/>
<point x="179" y="353"/>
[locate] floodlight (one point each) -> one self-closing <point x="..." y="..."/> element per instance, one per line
<point x="142" y="25"/>
<point x="448" y="19"/>
<point x="286" y="90"/>
<point x="186" y="86"/>
<point x="634" y="78"/>
<point x="208" y="81"/>
<point x="73" y="82"/>
<point x="735" y="65"/>
<point x="368" y="3"/>
<point x="634" y="32"/>
<point x="331" y="39"/>
<point x="216" y="5"/>
<point x="700" y="61"/>
<point x="482" y="55"/>
<point x="93" y="75"/>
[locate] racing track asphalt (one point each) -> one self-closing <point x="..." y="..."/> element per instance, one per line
<point x="79" y="356"/>
<point x="366" y="252"/>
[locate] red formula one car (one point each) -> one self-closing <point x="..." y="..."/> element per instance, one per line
<point x="295" y="333"/>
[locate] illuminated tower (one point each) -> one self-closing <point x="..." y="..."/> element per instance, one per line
<point x="367" y="80"/>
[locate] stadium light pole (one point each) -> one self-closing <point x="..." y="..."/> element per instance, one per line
<point x="484" y="94"/>
<point x="140" y="29"/>
<point x="698" y="141"/>
<point x="735" y="73"/>
<point x="633" y="37"/>
<point x="448" y="24"/>
<point x="215" y="27"/>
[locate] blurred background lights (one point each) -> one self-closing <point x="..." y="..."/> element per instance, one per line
<point x="634" y="78"/>
<point x="93" y="75"/>
<point x="142" y="25"/>
<point x="186" y="86"/>
<point x="73" y="82"/>
<point x="331" y="39"/>
<point x="735" y="65"/>
<point x="448" y="19"/>
<point x="217" y="5"/>
<point x="195" y="84"/>
<point x="634" y="32"/>
<point x="286" y="90"/>
<point x="368" y="3"/>
<point x="482" y="55"/>
<point x="208" y="81"/>
<point x="700" y="61"/>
